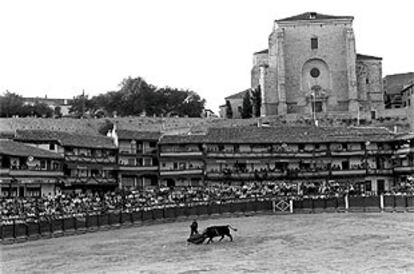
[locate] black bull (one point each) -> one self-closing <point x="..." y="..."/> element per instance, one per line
<point x="211" y="232"/>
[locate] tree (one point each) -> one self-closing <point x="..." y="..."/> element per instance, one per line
<point x="247" y="108"/>
<point x="10" y="104"/>
<point x="42" y="110"/>
<point x="136" y="97"/>
<point x="257" y="101"/>
<point x="57" y="112"/>
<point x="229" y="111"/>
<point x="80" y="105"/>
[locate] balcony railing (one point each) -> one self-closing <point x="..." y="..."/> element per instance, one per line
<point x="349" y="172"/>
<point x="380" y="171"/>
<point x="348" y="152"/>
<point x="267" y="174"/>
<point x="402" y="169"/>
<point x="90" y="180"/>
<point x="4" y="171"/>
<point x="405" y="150"/>
<point x="181" y="153"/>
<point x="90" y="159"/>
<point x="380" y="151"/>
<point x="137" y="168"/>
<point x="138" y="151"/>
<point x="195" y="171"/>
<point x="35" y="173"/>
<point x="227" y="154"/>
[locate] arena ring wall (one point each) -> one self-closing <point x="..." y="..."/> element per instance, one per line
<point x="19" y="230"/>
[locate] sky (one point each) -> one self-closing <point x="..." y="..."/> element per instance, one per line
<point x="59" y="48"/>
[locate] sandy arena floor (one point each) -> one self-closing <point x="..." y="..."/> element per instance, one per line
<point x="374" y="243"/>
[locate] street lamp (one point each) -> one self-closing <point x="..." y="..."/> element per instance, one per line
<point x="313" y="95"/>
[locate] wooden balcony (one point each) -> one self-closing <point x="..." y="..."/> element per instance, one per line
<point x="404" y="169"/>
<point x="137" y="168"/>
<point x="35" y="173"/>
<point x="181" y="154"/>
<point x="406" y="150"/>
<point x="313" y="173"/>
<point x="90" y="159"/>
<point x="383" y="171"/>
<point x="90" y="180"/>
<point x="138" y="152"/>
<point x="4" y="171"/>
<point x="265" y="154"/>
<point x="349" y="172"/>
<point x="181" y="172"/>
<point x="348" y="153"/>
<point x="238" y="176"/>
<point x="380" y="152"/>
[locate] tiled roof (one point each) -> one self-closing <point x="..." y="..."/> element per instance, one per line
<point x="262" y="52"/>
<point x="294" y="134"/>
<point x="313" y="16"/>
<point x="138" y="135"/>
<point x="367" y="57"/>
<point x="238" y="95"/>
<point x="80" y="126"/>
<point x="66" y="138"/>
<point x="8" y="147"/>
<point x="404" y="136"/>
<point x="394" y="83"/>
<point x="183" y="139"/>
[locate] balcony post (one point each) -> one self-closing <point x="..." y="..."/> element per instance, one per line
<point x="346" y="202"/>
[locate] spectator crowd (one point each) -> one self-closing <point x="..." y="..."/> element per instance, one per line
<point x="134" y="199"/>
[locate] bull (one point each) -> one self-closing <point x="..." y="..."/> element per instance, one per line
<point x="217" y="231"/>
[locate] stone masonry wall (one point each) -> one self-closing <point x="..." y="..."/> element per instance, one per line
<point x="331" y="49"/>
<point x="370" y="91"/>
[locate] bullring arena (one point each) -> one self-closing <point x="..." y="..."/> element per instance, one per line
<point x="269" y="239"/>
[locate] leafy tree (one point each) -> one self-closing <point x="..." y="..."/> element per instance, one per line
<point x="136" y="97"/>
<point x="80" y="105"/>
<point x="57" y="112"/>
<point x="257" y="101"/>
<point x="229" y="111"/>
<point x="10" y="104"/>
<point x="42" y="110"/>
<point x="247" y="108"/>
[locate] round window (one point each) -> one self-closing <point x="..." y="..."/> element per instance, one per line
<point x="315" y="73"/>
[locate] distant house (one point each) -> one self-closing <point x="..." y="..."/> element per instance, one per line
<point x="394" y="85"/>
<point x="236" y="103"/>
<point x="208" y="113"/>
<point x="64" y="104"/>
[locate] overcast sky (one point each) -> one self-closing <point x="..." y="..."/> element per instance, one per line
<point x="59" y="48"/>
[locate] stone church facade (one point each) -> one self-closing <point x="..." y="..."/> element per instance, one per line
<point x="311" y="66"/>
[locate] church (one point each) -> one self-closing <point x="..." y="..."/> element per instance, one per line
<point x="311" y="67"/>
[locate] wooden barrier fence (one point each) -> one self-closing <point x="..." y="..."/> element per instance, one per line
<point x="383" y="203"/>
<point x="21" y="230"/>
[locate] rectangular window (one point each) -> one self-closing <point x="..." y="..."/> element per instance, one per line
<point x="368" y="186"/>
<point x="147" y="161"/>
<point x="314" y="43"/>
<point x="131" y="162"/>
<point x="51" y="146"/>
<point x="317" y="107"/>
<point x="373" y="114"/>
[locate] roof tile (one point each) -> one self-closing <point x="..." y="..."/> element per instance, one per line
<point x="66" y="138"/>
<point x="8" y="147"/>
